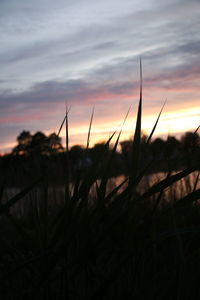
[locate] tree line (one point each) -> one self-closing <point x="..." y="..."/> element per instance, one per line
<point x="41" y="144"/>
<point x="35" y="153"/>
<point x="37" y="143"/>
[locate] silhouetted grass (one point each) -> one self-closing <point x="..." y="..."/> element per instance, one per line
<point x="111" y="244"/>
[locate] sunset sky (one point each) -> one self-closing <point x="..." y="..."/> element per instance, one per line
<point x="86" y="53"/>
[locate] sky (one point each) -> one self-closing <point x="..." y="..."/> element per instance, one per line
<point x="86" y="54"/>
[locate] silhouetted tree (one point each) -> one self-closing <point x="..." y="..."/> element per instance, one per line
<point x="38" y="143"/>
<point x="76" y="154"/>
<point x="55" y="144"/>
<point x="99" y="151"/>
<point x="126" y="147"/>
<point x="158" y="147"/>
<point x="190" y="140"/>
<point x="24" y="141"/>
<point x="191" y="147"/>
<point x="24" y="138"/>
<point x="172" y="147"/>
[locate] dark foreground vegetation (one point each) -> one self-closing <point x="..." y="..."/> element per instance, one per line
<point x="95" y="243"/>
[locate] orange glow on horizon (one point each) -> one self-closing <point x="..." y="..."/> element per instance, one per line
<point x="172" y="123"/>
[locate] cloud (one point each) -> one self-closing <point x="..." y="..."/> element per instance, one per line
<point x="87" y="92"/>
<point x="87" y="52"/>
<point x="73" y="50"/>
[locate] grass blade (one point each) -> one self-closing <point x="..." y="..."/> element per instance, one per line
<point x="116" y="189"/>
<point x="163" y="184"/>
<point x="4" y="207"/>
<point x="67" y="192"/>
<point x="89" y="131"/>
<point x="196" y="182"/>
<point x="63" y="122"/>
<point x="137" y="135"/>
<point x="105" y="177"/>
<point x="61" y="126"/>
<point x="155" y="125"/>
<point x="193" y="196"/>
<point x="197" y="129"/>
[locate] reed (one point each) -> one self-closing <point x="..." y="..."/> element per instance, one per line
<point x="111" y="244"/>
